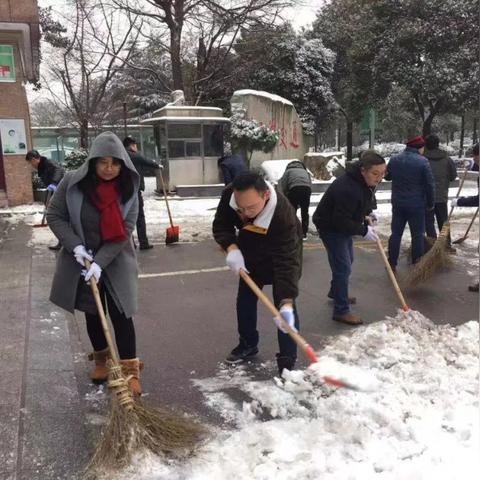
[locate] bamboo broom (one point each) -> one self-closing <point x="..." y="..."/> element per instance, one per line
<point x="132" y="427"/>
<point x="437" y="257"/>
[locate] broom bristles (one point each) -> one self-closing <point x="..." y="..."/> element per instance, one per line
<point x="134" y="428"/>
<point x="435" y="259"/>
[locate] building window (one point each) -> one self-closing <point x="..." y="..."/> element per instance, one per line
<point x="176" y="148"/>
<point x="194" y="149"/>
<point x="7" y="66"/>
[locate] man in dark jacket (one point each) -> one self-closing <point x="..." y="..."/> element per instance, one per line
<point x="50" y="173"/>
<point x="296" y="185"/>
<point x="444" y="172"/>
<point x="231" y="166"/>
<point x="140" y="163"/>
<point x="413" y="192"/>
<point x="339" y="216"/>
<point x="261" y="234"/>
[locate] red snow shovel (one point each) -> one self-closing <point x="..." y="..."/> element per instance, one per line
<point x="173" y="231"/>
<point x="295" y="336"/>
<point x="43" y="223"/>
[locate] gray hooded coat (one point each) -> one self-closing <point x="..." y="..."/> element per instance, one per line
<point x="443" y="170"/>
<point x="296" y="175"/>
<point x="75" y="221"/>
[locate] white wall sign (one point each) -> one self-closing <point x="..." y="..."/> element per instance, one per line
<point x="12" y="133"/>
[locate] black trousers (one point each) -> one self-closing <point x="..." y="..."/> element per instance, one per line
<point x="141" y="225"/>
<point x="299" y="197"/>
<point x="122" y="326"/>
<point x="440" y="212"/>
<point x="247" y="320"/>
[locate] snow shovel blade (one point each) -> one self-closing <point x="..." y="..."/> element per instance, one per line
<point x="172" y="234"/>
<point x="460" y="240"/>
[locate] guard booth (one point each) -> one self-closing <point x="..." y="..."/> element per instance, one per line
<point x="188" y="143"/>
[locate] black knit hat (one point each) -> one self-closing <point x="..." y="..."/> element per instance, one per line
<point x="127" y="141"/>
<point x="32" y="154"/>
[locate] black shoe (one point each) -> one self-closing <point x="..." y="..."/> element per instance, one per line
<point x="473" y="288"/>
<point x="240" y="353"/>
<point x="56" y="247"/>
<point x="284" y="361"/>
<point x="148" y="246"/>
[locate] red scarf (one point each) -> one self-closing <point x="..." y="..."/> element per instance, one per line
<point x="105" y="199"/>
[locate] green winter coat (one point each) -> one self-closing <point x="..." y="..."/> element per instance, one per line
<point x="69" y="214"/>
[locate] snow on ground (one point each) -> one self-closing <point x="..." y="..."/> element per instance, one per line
<point x="420" y="422"/>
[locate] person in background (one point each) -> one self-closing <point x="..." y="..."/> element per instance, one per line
<point x="258" y="229"/>
<point x="444" y="172"/>
<point x="50" y="173"/>
<point x="471" y="201"/>
<point x="413" y="192"/>
<point x="231" y="166"/>
<point x="296" y="185"/>
<point x="93" y="213"/>
<point x="341" y="214"/>
<point x="140" y="163"/>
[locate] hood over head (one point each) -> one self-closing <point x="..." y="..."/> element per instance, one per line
<point x="107" y="144"/>
<point x="296" y="164"/>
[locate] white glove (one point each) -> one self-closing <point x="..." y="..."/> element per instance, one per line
<point x="287" y="315"/>
<point x="370" y="235"/>
<point x="453" y="202"/>
<point x="235" y="261"/>
<point x="94" y="271"/>
<point x="81" y="254"/>
<point x="373" y="217"/>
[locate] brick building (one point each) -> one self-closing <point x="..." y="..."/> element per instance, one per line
<point x="19" y="63"/>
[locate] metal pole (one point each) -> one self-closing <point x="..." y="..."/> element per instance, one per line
<point x="124" y="119"/>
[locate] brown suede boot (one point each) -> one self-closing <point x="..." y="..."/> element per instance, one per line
<point x="131" y="369"/>
<point x="348" y="318"/>
<point x="100" y="373"/>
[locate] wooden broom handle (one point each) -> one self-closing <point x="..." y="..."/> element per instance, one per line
<point x="165" y="196"/>
<point x="296" y="337"/>
<point x="462" y="181"/>
<point x="103" y="318"/>
<point x="405" y="307"/>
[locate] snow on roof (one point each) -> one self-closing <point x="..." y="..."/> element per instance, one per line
<point x="185" y="119"/>
<point x="260" y="93"/>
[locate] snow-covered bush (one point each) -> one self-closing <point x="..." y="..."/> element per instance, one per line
<point x="250" y="135"/>
<point x="75" y="159"/>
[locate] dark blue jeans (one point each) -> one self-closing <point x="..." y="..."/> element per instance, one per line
<point x="415" y="217"/>
<point x="340" y="257"/>
<point x="247" y="320"/>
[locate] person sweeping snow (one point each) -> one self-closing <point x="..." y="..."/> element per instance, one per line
<point x="93" y="213"/>
<point x="339" y="216"/>
<point x="258" y="229"/>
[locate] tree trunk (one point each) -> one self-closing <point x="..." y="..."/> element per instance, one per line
<point x="462" y="135"/>
<point x="349" y="139"/>
<point x="84" y="134"/>
<point x="475" y="132"/>
<point x="427" y="124"/>
<point x="175" y="55"/>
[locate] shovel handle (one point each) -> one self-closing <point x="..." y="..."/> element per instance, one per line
<point x="471" y="223"/>
<point x="103" y="318"/>
<point x="462" y="181"/>
<point x="296" y="337"/>
<point x="165" y="197"/>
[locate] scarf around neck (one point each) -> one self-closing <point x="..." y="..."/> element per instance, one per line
<point x="105" y="198"/>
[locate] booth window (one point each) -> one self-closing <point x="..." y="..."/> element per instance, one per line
<point x="176" y="148"/>
<point x="213" y="140"/>
<point x="182" y="130"/>
<point x="7" y="66"/>
<point x="194" y="149"/>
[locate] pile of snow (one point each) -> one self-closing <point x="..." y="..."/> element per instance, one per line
<point x="421" y="420"/>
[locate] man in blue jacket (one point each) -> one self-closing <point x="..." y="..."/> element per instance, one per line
<point x="413" y="192"/>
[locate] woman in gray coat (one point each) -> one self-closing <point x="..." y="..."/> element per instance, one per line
<point x="93" y="213"/>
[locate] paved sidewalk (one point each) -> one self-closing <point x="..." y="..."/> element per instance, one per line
<point x="50" y="415"/>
